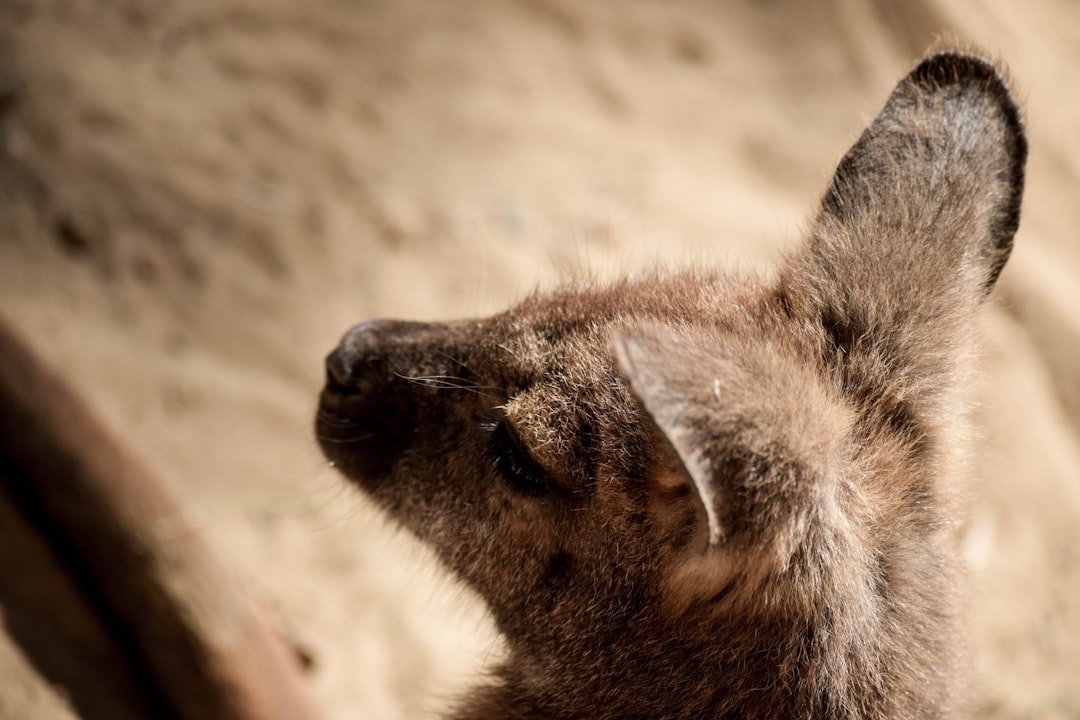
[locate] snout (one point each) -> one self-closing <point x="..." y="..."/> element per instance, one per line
<point x="360" y="361"/>
<point x="367" y="411"/>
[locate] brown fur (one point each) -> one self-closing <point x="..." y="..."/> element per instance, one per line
<point x="702" y="496"/>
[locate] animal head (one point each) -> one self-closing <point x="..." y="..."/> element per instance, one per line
<point x="704" y="463"/>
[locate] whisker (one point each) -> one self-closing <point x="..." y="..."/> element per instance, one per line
<point x="450" y="382"/>
<point x="509" y="350"/>
<point x="457" y="361"/>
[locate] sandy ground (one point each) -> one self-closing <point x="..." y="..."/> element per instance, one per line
<point x="197" y="198"/>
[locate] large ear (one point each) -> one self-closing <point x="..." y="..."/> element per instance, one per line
<point x="923" y="209"/>
<point x="758" y="435"/>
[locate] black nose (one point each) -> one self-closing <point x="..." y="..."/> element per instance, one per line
<point x="366" y="358"/>
<point x="353" y="366"/>
<point x="336" y="373"/>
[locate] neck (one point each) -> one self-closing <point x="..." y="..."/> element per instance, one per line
<point x="820" y="665"/>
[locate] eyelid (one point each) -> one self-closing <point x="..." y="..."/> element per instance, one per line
<point x="513" y="459"/>
<point x="500" y="421"/>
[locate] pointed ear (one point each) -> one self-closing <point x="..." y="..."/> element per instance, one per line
<point x="929" y="197"/>
<point x="758" y="436"/>
<point x="679" y="405"/>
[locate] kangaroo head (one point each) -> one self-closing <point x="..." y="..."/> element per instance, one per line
<point x="699" y="495"/>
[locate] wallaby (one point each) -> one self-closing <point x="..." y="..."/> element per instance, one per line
<point x="696" y="495"/>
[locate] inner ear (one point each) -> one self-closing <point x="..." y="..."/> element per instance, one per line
<point x="671" y="399"/>
<point x="679" y="386"/>
<point x="675" y="499"/>
<point x="759" y="434"/>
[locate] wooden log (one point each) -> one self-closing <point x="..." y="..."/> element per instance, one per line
<point x="24" y="693"/>
<point x="171" y="607"/>
<point x="55" y="640"/>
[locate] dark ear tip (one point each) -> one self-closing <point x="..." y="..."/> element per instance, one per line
<point x="947" y="67"/>
<point x="969" y="70"/>
<point x="974" y="73"/>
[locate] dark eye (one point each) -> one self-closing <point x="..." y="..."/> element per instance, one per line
<point x="513" y="461"/>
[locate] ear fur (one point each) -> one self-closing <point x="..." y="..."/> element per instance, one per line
<point x="912" y="233"/>
<point x="939" y="171"/>
<point x="758" y="436"/>
<point x="678" y="406"/>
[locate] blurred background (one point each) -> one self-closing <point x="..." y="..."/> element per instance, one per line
<point x="198" y="198"/>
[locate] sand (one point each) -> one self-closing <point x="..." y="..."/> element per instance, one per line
<point x="198" y="198"/>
